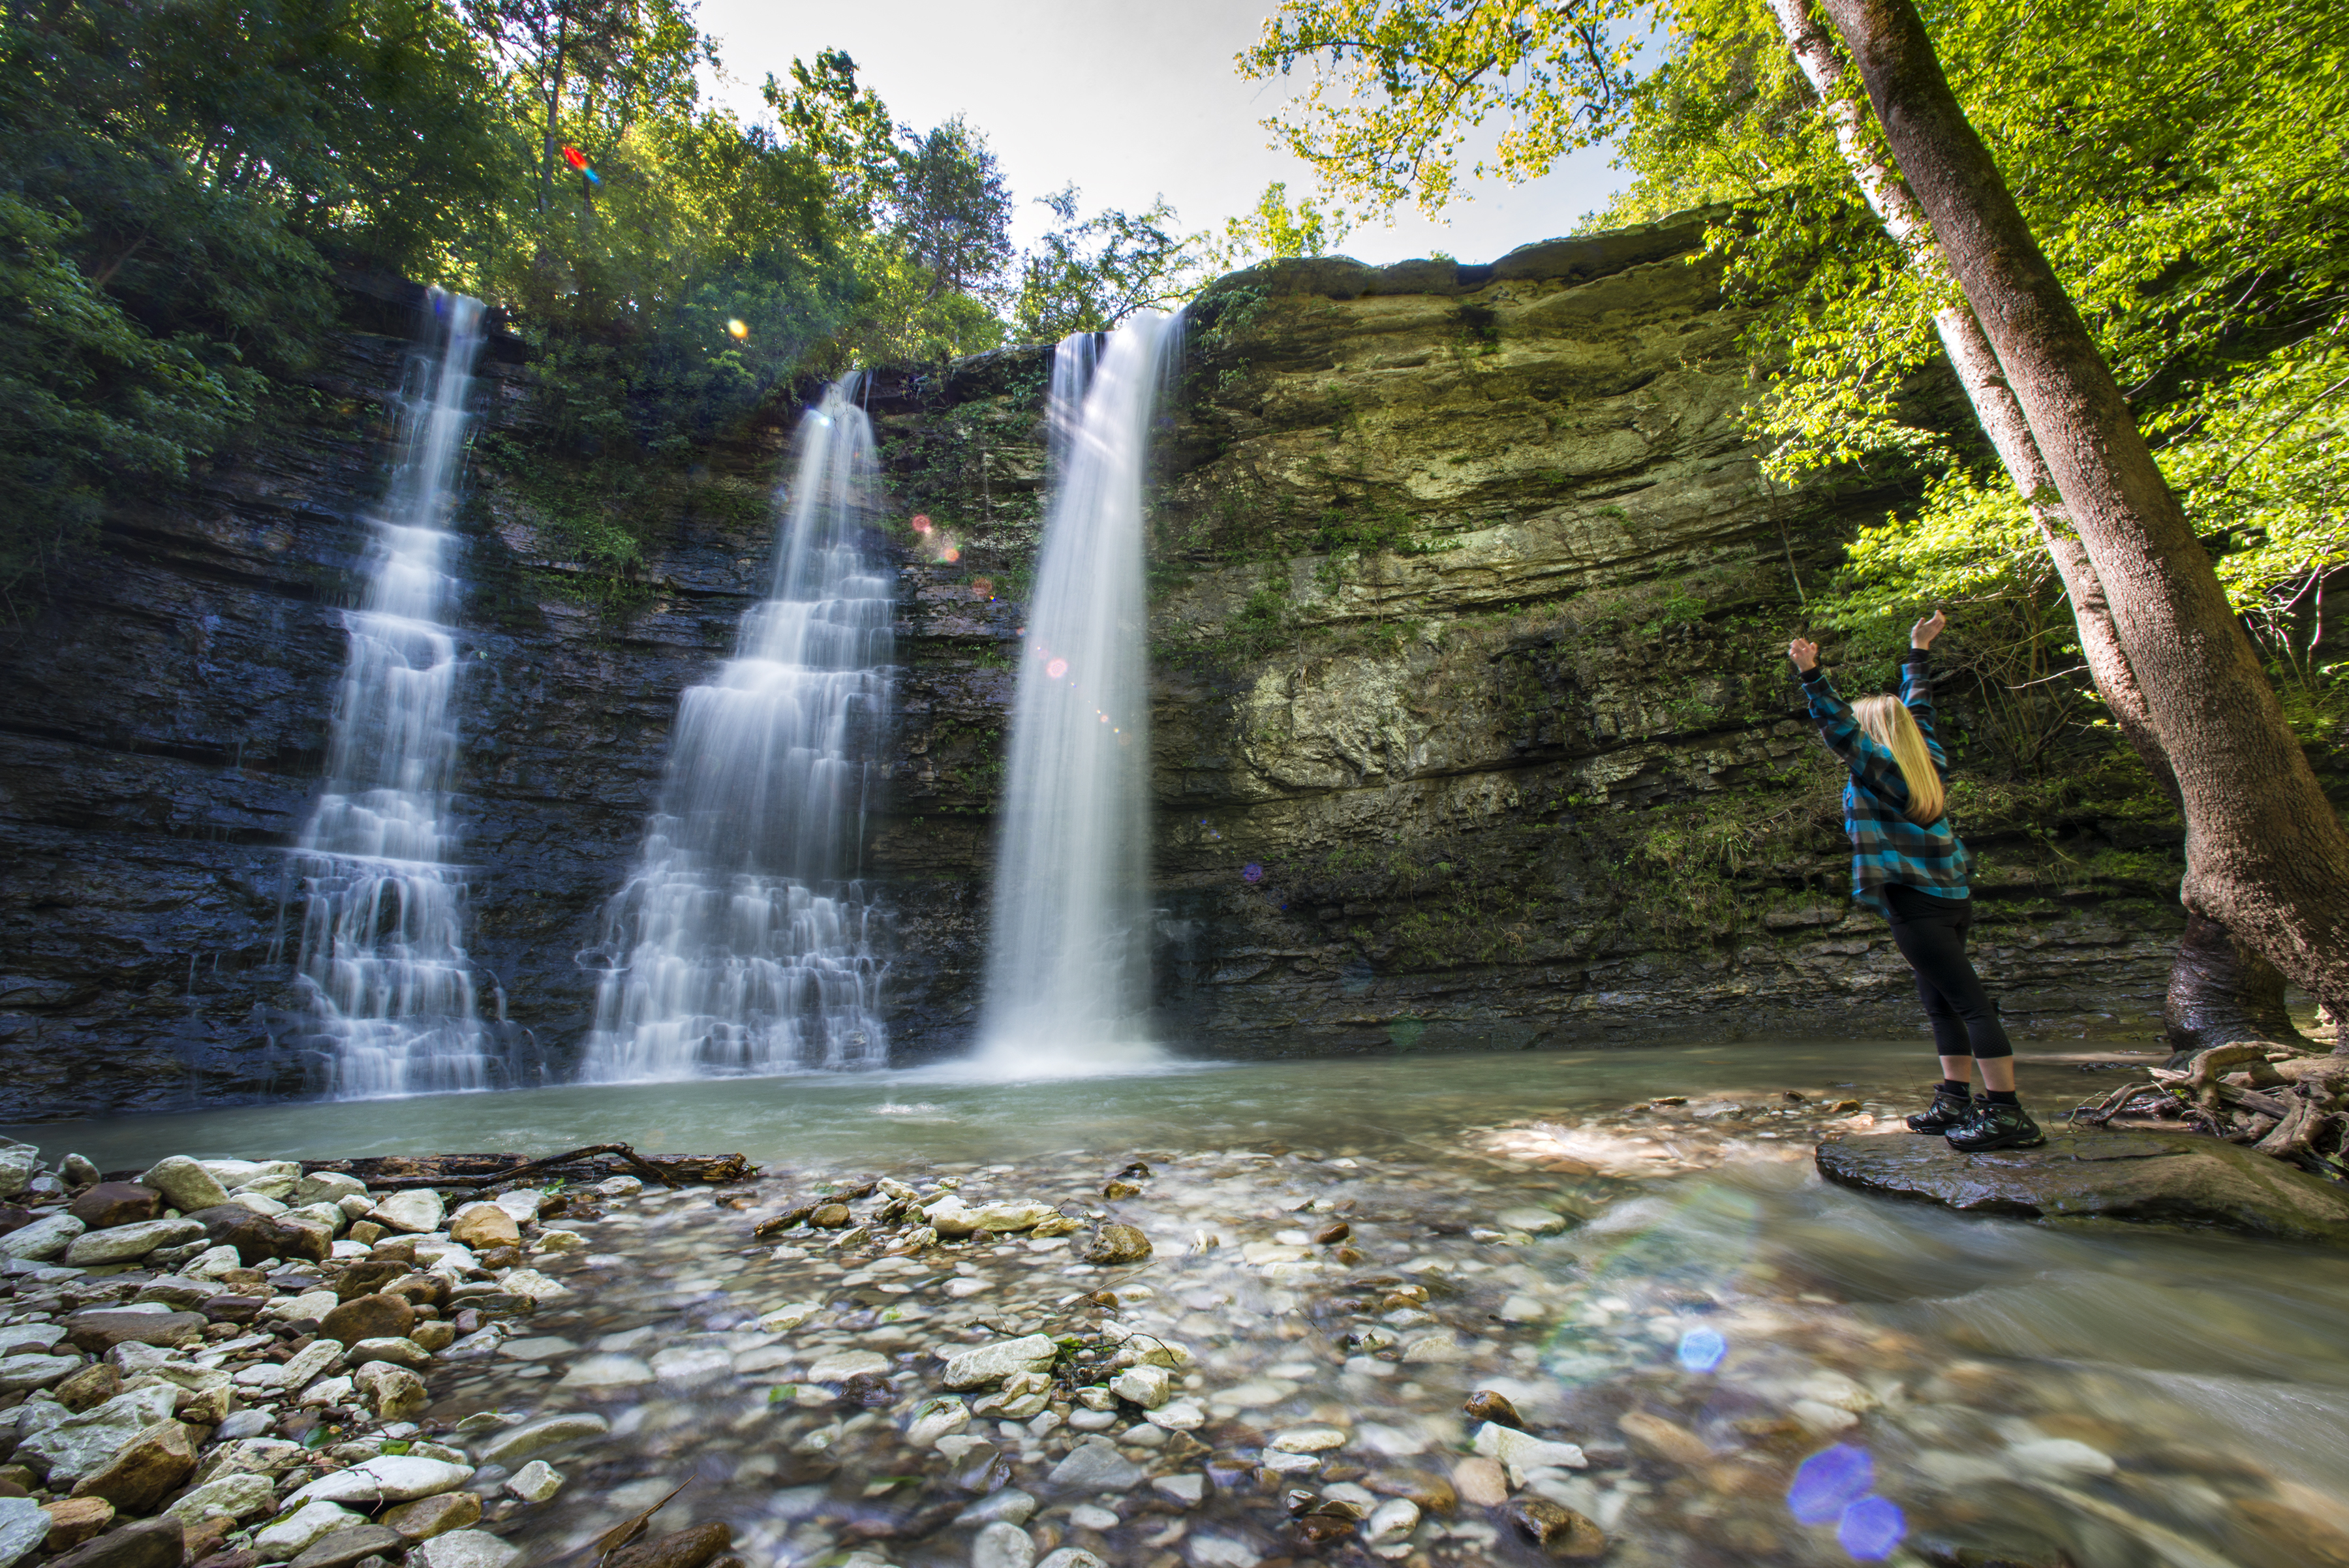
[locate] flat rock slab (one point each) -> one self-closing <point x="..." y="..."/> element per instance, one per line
<point x="2176" y="1179"/>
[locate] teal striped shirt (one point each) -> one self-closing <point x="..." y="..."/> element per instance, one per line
<point x="1886" y="847"/>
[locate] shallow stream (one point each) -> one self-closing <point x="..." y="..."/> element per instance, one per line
<point x="1707" y="1316"/>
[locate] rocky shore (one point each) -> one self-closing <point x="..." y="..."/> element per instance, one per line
<point x="1561" y="1339"/>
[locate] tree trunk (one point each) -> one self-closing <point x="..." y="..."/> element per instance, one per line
<point x="2214" y="978"/>
<point x="2266" y="853"/>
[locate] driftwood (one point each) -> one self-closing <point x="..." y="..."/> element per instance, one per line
<point x="402" y="1172"/>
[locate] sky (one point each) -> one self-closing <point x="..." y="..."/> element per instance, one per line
<point x="1129" y="102"/>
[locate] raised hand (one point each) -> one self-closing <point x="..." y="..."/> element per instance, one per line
<point x="1805" y="654"/>
<point x="1922" y="634"/>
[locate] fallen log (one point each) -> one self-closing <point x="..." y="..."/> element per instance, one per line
<point x="406" y="1172"/>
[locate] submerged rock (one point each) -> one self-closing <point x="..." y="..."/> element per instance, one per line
<point x="2177" y="1179"/>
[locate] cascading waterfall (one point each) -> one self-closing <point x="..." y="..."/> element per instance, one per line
<point x="394" y="1004"/>
<point x="1069" y="962"/>
<point x="744" y="943"/>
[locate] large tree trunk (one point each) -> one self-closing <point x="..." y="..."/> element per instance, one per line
<point x="2266" y="855"/>
<point x="2215" y="983"/>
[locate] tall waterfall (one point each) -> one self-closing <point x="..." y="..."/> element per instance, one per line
<point x="395" y="1007"/>
<point x="745" y="943"/>
<point x="1068" y="973"/>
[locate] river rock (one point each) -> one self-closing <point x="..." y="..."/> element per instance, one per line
<point x="1094" y="1465"/>
<point x="340" y="1548"/>
<point x="936" y="1418"/>
<point x="23" y="1526"/>
<point x="259" y="1237"/>
<point x="1114" y="1243"/>
<point x="1002" y="1545"/>
<point x="74" y="1520"/>
<point x="20" y="1162"/>
<point x="1522" y="1453"/>
<point x="2165" y="1178"/>
<point x="18" y="1338"/>
<point x="388" y="1477"/>
<point x="1148" y="1387"/>
<point x="606" y="1371"/>
<point x="840" y="1366"/>
<point x="42" y="1239"/>
<point x="72" y="1447"/>
<point x="369" y="1317"/>
<point x="100" y="1331"/>
<point x="22" y="1373"/>
<point x="481" y="1225"/>
<point x="1557" y="1530"/>
<point x="112" y="1203"/>
<point x="291" y="1536"/>
<point x="1532" y="1222"/>
<point x="88" y="1388"/>
<point x="413" y="1213"/>
<point x="144" y="1470"/>
<point x="392" y="1392"/>
<point x="327" y="1187"/>
<point x="987" y="1364"/>
<point x="437" y="1515"/>
<point x="1003" y="1217"/>
<point x="399" y="1350"/>
<point x="469" y="1549"/>
<point x="681" y="1548"/>
<point x="123" y="1243"/>
<point x="149" y="1543"/>
<point x="532" y="1286"/>
<point x="535" y="1482"/>
<point x="511" y="1448"/>
<point x="369" y="1275"/>
<point x="237" y="1495"/>
<point x="185" y="1185"/>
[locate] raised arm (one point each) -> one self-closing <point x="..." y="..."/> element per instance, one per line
<point x="1917" y="686"/>
<point x="1870" y="764"/>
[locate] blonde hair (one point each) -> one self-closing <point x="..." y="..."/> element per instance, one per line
<point x="1887" y="722"/>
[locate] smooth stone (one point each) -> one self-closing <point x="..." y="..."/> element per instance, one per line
<point x="394" y="1393"/>
<point x="291" y="1536"/>
<point x="1072" y="1557"/>
<point x="934" y="1418"/>
<point x="260" y="1237"/>
<point x="785" y="1318"/>
<point x="235" y="1496"/>
<point x="1532" y="1222"/>
<point x="511" y="1448"/>
<point x="2061" y="1454"/>
<point x="1086" y="1516"/>
<point x="523" y="1204"/>
<point x="1309" y="1439"/>
<point x="327" y="1187"/>
<point x="1003" y="1217"/>
<point x="484" y="1225"/>
<point x="124" y="1243"/>
<point x="532" y="1285"/>
<point x="185" y="1185"/>
<point x="984" y="1364"/>
<point x="2160" y="1177"/>
<point x="1521" y="1453"/>
<point x="111" y="1203"/>
<point x="840" y="1366"/>
<point x="1181" y="1416"/>
<point x="680" y="1548"/>
<point x="42" y="1240"/>
<point x="1113" y="1244"/>
<point x="698" y="1364"/>
<point x="1391" y="1522"/>
<point x="1009" y="1505"/>
<point x="310" y="1306"/>
<point x="430" y="1516"/>
<point x="466" y="1548"/>
<point x="1189" y="1488"/>
<point x="148" y="1544"/>
<point x="535" y="1482"/>
<point x="22" y="1337"/>
<point x="606" y="1371"/>
<point x="415" y="1213"/>
<point x="1560" y="1532"/>
<point x="342" y="1548"/>
<point x="375" y="1316"/>
<point x="1002" y="1545"/>
<point x="1094" y="1465"/>
<point x="399" y="1350"/>
<point x="388" y="1477"/>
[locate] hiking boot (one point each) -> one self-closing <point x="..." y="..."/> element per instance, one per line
<point x="1997" y="1127"/>
<point x="1947" y="1113"/>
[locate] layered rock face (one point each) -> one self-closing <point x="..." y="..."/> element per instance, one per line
<point x="1471" y="723"/>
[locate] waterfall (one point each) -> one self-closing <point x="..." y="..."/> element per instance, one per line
<point x="745" y="944"/>
<point x="394" y="1005"/>
<point x="1069" y="965"/>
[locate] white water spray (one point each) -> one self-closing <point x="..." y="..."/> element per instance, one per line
<point x="1068" y="976"/>
<point x="394" y="1003"/>
<point x="746" y="944"/>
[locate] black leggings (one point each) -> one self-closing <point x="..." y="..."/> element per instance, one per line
<point x="1931" y="935"/>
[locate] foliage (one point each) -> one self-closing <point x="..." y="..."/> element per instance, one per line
<point x="953" y="211"/>
<point x="1273" y="230"/>
<point x="1091" y="274"/>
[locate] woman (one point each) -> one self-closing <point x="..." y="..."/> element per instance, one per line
<point x="1908" y="866"/>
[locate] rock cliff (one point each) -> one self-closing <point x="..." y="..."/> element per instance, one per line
<point x="1470" y="726"/>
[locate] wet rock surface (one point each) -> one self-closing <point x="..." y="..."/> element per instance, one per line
<point x="2160" y="1177"/>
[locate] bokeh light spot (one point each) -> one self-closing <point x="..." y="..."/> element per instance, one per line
<point x="1056" y="668"/>
<point x="739" y="328"/>
<point x="921" y="523"/>
<point x="951" y="555"/>
<point x="1702" y="1349"/>
<point x="1830" y="1481"/>
<point x="1871" y="1529"/>
<point x="1251" y="872"/>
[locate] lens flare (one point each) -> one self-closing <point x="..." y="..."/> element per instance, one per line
<point x="1702" y="1349"/>
<point x="1056" y="668"/>
<point x="1830" y="1481"/>
<point x="951" y="555"/>
<point x="921" y="523"/>
<point x="739" y="328"/>
<point x="1251" y="872"/>
<point x="1871" y="1529"/>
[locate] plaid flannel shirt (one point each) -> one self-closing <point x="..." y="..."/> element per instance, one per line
<point x="1886" y="847"/>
